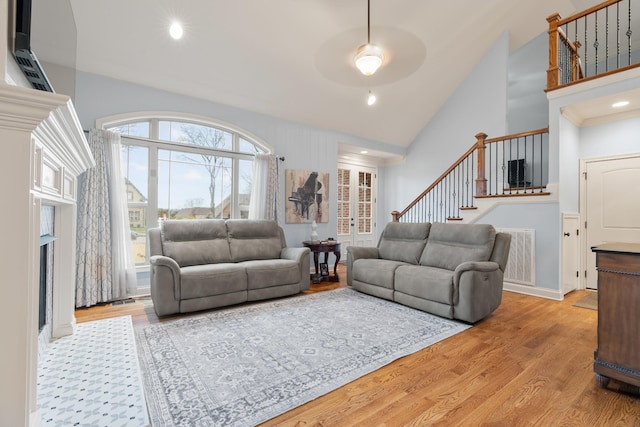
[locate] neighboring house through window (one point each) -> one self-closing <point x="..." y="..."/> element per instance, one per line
<point x="182" y="167"/>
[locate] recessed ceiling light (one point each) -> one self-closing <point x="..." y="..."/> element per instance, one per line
<point x="620" y="104"/>
<point x="176" y="30"/>
<point x="364" y="152"/>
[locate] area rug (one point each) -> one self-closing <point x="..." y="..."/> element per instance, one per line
<point x="244" y="365"/>
<point x="92" y="378"/>
<point x="588" y="301"/>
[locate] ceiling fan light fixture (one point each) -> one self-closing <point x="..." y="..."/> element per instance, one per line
<point x="371" y="99"/>
<point x="368" y="58"/>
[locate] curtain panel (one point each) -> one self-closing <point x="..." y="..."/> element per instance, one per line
<point x="265" y="187"/>
<point x="105" y="269"/>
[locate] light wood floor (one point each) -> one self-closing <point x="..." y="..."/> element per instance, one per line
<point x="530" y="363"/>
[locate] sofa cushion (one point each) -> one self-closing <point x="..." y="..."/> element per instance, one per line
<point x="429" y="283"/>
<point x="271" y="272"/>
<point x="403" y="241"/>
<point x="254" y="239"/>
<point x="450" y="245"/>
<point x="377" y="272"/>
<point x="195" y="242"/>
<point x="212" y="279"/>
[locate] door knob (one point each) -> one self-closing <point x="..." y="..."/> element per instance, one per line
<point x="567" y="234"/>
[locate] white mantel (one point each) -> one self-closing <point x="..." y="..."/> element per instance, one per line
<point x="43" y="150"/>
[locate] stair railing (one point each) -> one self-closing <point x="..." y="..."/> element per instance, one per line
<point x="512" y="165"/>
<point x="592" y="43"/>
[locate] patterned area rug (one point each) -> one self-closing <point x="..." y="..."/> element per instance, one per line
<point x="244" y="365"/>
<point x="91" y="378"/>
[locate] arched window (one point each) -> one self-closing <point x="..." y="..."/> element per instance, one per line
<point x="182" y="167"/>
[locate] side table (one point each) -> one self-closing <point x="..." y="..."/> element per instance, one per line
<point x="324" y="246"/>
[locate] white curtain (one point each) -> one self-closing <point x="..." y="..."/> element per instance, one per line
<point x="105" y="268"/>
<point x="264" y="188"/>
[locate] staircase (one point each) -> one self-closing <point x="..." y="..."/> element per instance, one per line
<point x="489" y="172"/>
<point x="596" y="42"/>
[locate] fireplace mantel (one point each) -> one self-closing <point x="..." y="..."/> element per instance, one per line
<point x="43" y="152"/>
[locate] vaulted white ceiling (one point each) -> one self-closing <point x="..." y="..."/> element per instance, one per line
<point x="292" y="59"/>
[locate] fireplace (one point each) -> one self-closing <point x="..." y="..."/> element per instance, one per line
<point x="42" y="288"/>
<point x="44" y="151"/>
<point x="45" y="282"/>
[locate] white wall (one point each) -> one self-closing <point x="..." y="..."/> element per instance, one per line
<point x="569" y="169"/>
<point x="616" y="138"/>
<point x="304" y="147"/>
<point x="527" y="105"/>
<point x="479" y="104"/>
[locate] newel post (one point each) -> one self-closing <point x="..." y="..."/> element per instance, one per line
<point x="395" y="215"/>
<point x="553" y="73"/>
<point x="481" y="181"/>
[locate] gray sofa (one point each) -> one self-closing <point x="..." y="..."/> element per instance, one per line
<point x="451" y="270"/>
<point x="208" y="263"/>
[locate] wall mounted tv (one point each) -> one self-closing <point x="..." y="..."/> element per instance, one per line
<point x="25" y="57"/>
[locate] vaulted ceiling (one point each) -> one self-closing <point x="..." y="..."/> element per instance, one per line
<point x="293" y="59"/>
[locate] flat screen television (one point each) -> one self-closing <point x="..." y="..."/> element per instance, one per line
<point x="25" y="57"/>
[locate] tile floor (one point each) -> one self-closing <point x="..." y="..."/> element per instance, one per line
<point x="92" y="378"/>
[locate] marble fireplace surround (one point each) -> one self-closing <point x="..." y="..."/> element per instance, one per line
<point x="43" y="150"/>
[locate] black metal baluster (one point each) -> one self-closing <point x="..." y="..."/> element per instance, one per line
<point x="629" y="32"/>
<point x="595" y="43"/>
<point x="575" y="41"/>
<point x="497" y="166"/>
<point x="586" y="49"/>
<point x="606" y="38"/>
<point x="618" y="35"/>
<point x="541" y="162"/>
<point x="441" y="204"/>
<point x="533" y="162"/>
<point x="503" y="166"/>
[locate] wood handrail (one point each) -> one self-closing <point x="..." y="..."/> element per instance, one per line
<point x="586" y="12"/>
<point x="516" y="135"/>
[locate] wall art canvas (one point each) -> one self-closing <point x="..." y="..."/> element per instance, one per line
<point x="307" y="196"/>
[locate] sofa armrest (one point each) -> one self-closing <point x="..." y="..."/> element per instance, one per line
<point x="478" y="289"/>
<point x="301" y="256"/>
<point x="296" y="254"/>
<point x="358" y="252"/>
<point x="165" y="285"/>
<point x="486" y="266"/>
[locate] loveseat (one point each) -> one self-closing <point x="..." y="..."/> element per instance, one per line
<point x="451" y="270"/>
<point x="208" y="263"/>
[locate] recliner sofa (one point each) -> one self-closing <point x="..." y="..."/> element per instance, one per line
<point x="208" y="263"/>
<point x="451" y="270"/>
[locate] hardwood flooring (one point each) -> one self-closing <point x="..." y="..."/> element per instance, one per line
<point x="528" y="364"/>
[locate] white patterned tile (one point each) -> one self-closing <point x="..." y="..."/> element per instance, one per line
<point x="91" y="378"/>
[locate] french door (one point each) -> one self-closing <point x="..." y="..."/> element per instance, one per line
<point x="357" y="206"/>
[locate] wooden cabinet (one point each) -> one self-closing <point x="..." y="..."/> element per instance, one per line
<point x="618" y="352"/>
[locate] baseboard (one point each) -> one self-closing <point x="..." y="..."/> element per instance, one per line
<point x="553" y="294"/>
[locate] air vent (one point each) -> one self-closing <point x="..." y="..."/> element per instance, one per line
<point x="33" y="72"/>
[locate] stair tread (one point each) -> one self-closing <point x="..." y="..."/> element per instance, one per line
<point x="537" y="193"/>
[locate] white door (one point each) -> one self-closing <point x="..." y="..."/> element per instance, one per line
<point x="570" y="252"/>
<point x="357" y="187"/>
<point x="612" y="205"/>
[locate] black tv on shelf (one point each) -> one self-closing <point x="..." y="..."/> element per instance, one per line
<point x="25" y="57"/>
<point x="515" y="173"/>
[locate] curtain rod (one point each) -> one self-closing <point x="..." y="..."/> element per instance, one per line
<point x="281" y="158"/>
